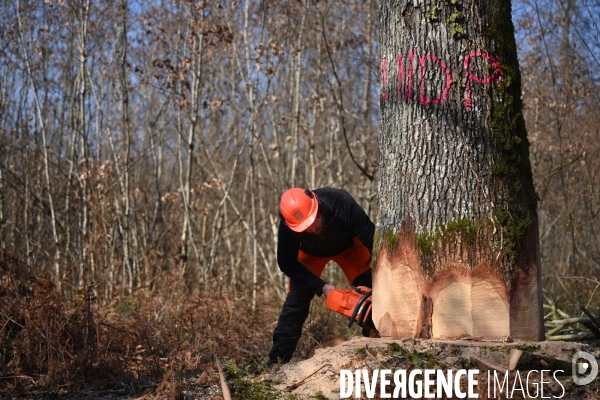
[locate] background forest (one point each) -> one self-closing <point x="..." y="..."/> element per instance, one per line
<point x="144" y="146"/>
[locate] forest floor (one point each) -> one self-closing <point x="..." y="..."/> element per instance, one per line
<point x="319" y="376"/>
<point x="165" y="343"/>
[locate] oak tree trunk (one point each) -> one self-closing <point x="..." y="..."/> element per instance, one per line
<point x="457" y="248"/>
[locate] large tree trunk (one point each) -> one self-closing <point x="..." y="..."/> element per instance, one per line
<point x="457" y="249"/>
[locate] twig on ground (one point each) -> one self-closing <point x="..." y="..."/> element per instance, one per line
<point x="568" y="321"/>
<point x="558" y="328"/>
<point x="555" y="330"/>
<point x="373" y="357"/>
<point x="224" y="387"/>
<point x="18" y="377"/>
<point x="298" y="384"/>
<point x="571" y="337"/>
<point x="593" y="325"/>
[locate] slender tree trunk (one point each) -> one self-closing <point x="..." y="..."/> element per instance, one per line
<point x="45" y="144"/>
<point x="71" y="146"/>
<point x="83" y="159"/>
<point x="156" y="148"/>
<point x="73" y="114"/>
<point x="457" y="238"/>
<point x="100" y="221"/>
<point x="563" y="127"/>
<point x="5" y="161"/>
<point x="297" y="86"/>
<point x="128" y="263"/>
<point x="311" y="168"/>
<point x="2" y="235"/>
<point x="254" y="238"/>
<point x="369" y="184"/>
<point x="197" y="48"/>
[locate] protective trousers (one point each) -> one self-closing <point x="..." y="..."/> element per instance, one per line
<point x="355" y="263"/>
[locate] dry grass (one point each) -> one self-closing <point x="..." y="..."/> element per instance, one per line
<point x="146" y="345"/>
<point x="159" y="343"/>
<point x="53" y="345"/>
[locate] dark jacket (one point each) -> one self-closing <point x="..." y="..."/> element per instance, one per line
<point x="342" y="218"/>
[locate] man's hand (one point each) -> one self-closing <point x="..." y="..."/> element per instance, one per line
<point x="327" y="288"/>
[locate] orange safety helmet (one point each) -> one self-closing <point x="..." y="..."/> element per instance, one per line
<point x="299" y="208"/>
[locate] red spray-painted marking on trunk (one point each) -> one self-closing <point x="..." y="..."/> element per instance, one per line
<point x="495" y="77"/>
<point x="406" y="73"/>
<point x="383" y="69"/>
<point x="402" y="79"/>
<point x="401" y="76"/>
<point x="423" y="64"/>
<point x="408" y="89"/>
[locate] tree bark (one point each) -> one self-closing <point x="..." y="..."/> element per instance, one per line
<point x="44" y="134"/>
<point x="83" y="152"/>
<point x="457" y="248"/>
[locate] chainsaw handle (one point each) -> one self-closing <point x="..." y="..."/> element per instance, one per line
<point x="358" y="305"/>
<point x="362" y="317"/>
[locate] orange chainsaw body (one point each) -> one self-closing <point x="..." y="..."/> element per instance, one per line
<point x="353" y="303"/>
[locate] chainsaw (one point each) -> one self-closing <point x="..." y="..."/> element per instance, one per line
<point x="354" y="303"/>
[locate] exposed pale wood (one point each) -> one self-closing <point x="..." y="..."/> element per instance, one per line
<point x="392" y="319"/>
<point x="467" y="304"/>
<point x="486" y="366"/>
<point x="529" y="361"/>
<point x="572" y="337"/>
<point x="460" y="304"/>
<point x="224" y="387"/>
<point x="515" y="355"/>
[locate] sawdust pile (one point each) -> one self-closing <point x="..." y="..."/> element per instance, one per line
<point x="319" y="376"/>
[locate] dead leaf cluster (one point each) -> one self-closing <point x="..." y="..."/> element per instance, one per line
<point x="151" y="344"/>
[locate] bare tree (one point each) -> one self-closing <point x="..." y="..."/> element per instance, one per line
<point x="25" y="46"/>
<point x="561" y="90"/>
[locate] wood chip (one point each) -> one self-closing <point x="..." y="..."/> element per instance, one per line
<point x="515" y="356"/>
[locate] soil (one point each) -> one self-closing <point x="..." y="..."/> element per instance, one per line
<point x="319" y="376"/>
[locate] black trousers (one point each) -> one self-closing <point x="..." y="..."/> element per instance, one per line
<point x="293" y="314"/>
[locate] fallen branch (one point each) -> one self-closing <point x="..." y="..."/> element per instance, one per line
<point x="555" y="330"/>
<point x="486" y="366"/>
<point x="224" y="387"/>
<point x="373" y="357"/>
<point x="298" y="384"/>
<point x="558" y="328"/>
<point x="593" y="324"/>
<point x="568" y="321"/>
<point x="570" y="337"/>
<point x="17" y="377"/>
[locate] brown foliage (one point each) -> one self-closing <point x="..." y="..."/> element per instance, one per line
<point x="266" y="114"/>
<point x="151" y="340"/>
<point x="559" y="62"/>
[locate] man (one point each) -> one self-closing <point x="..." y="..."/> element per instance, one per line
<point x="316" y="227"/>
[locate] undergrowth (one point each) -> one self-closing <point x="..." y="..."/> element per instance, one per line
<point x="143" y="346"/>
<point x="246" y="386"/>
